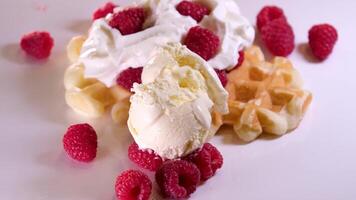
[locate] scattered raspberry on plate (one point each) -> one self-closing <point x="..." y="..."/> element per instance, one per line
<point x="268" y="14"/>
<point x="192" y="9"/>
<point x="146" y="159"/>
<point x="208" y="159"/>
<point x="322" y="39"/>
<point x="37" y="44"/>
<point x="276" y="32"/>
<point x="80" y="142"/>
<point x="133" y="184"/>
<point x="104" y="10"/>
<point x="203" y="42"/>
<point x="129" y="76"/>
<point x="178" y="179"/>
<point x="278" y="36"/>
<point x="128" y="21"/>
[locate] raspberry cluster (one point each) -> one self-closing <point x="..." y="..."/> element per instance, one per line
<point x="176" y="178"/>
<point x="276" y="33"/>
<point x="179" y="178"/>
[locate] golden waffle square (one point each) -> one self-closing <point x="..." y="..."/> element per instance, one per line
<point x="265" y="97"/>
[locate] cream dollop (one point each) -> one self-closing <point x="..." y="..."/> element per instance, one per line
<point x="106" y="52"/>
<point x="171" y="111"/>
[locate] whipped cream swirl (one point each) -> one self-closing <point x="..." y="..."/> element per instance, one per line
<point x="107" y="52"/>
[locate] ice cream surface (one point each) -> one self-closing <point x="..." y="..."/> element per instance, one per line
<point x="171" y="111"/>
<point x="106" y="52"/>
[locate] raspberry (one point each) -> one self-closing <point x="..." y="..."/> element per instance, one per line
<point x="203" y="42"/>
<point x="239" y="61"/>
<point x="322" y="39"/>
<point x="80" y="142"/>
<point x="241" y="58"/>
<point x="278" y="37"/>
<point x="178" y="178"/>
<point x="104" y="10"/>
<point x="128" y="21"/>
<point x="133" y="184"/>
<point x="129" y="76"/>
<point x="208" y="160"/>
<point x="269" y="14"/>
<point x="222" y="76"/>
<point x="192" y="9"/>
<point x="145" y="159"/>
<point x="37" y="44"/>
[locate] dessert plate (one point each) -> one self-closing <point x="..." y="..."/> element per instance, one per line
<point x="315" y="161"/>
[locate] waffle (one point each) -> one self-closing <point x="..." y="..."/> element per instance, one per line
<point x="216" y="123"/>
<point x="87" y="97"/>
<point x="74" y="47"/>
<point x="265" y="97"/>
<point x="120" y="110"/>
<point x="90" y="97"/>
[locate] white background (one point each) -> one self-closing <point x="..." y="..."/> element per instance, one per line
<point x="316" y="161"/>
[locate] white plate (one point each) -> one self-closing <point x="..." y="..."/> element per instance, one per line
<point x="316" y="161"/>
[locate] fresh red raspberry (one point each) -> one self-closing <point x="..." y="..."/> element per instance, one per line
<point x="129" y="76"/>
<point x="104" y="10"/>
<point x="222" y="76"/>
<point x="80" y="142"/>
<point x="192" y="9"/>
<point x="322" y="39"/>
<point x="239" y="61"/>
<point x="128" y="21"/>
<point x="203" y="42"/>
<point x="132" y="185"/>
<point x="208" y="160"/>
<point x="241" y="58"/>
<point x="37" y="44"/>
<point x="146" y="159"/>
<point x="268" y="14"/>
<point x="278" y="37"/>
<point x="178" y="178"/>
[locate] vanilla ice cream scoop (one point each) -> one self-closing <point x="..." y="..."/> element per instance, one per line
<point x="171" y="111"/>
